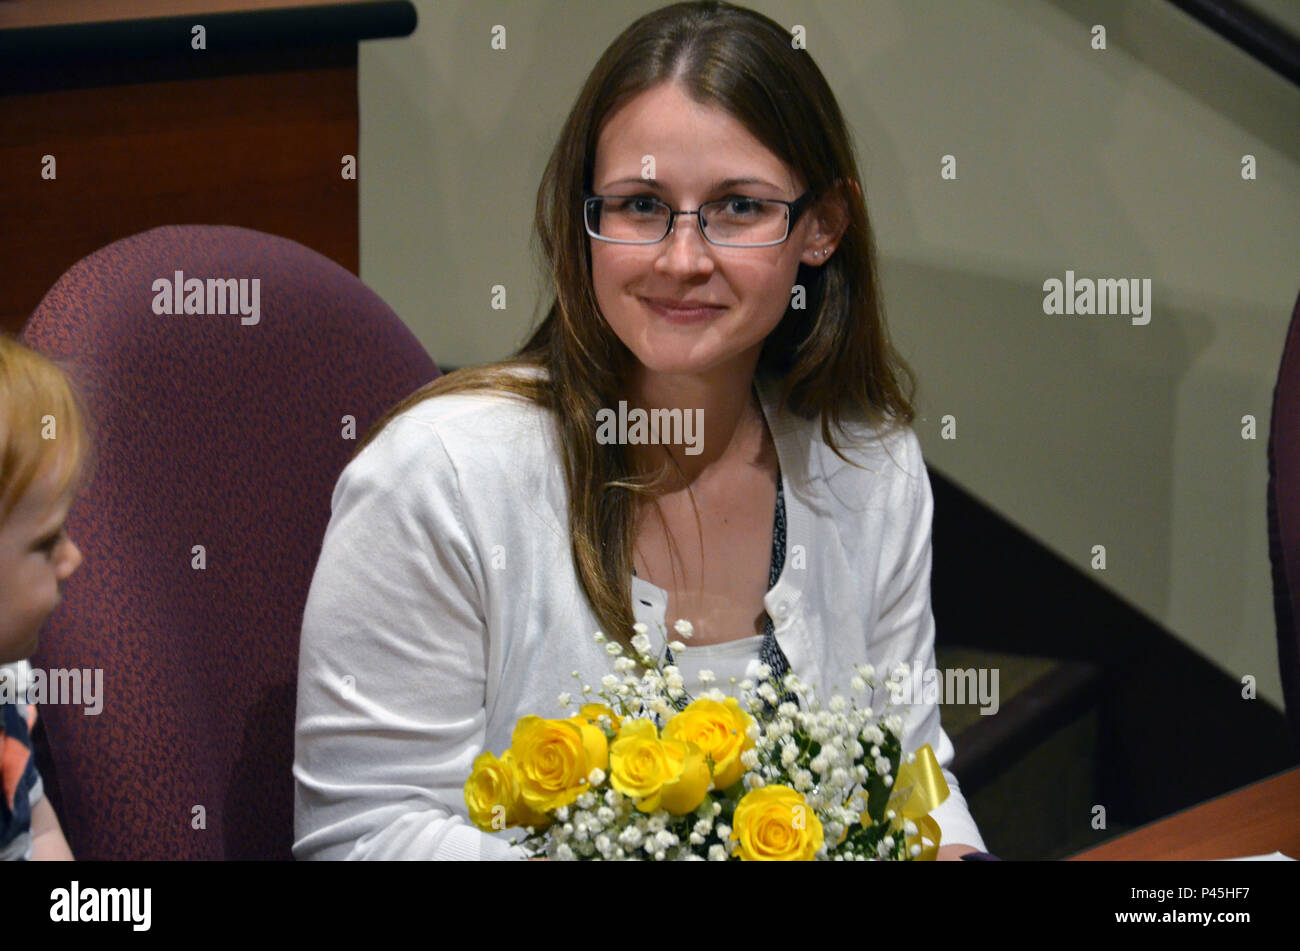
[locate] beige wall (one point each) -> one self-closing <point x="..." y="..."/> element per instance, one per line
<point x="1117" y="163"/>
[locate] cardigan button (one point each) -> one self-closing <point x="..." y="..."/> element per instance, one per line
<point x="782" y="610"/>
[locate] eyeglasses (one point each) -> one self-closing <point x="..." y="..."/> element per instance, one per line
<point x="732" y="222"/>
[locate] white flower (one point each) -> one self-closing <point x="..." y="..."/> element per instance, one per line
<point x="613" y="649"/>
<point x="839" y="704"/>
<point x="767" y="692"/>
<point x="857" y="683"/>
<point x="717" y="853"/>
<point x="676" y="646"/>
<point x="702" y="827"/>
<point x="609" y="682"/>
<point x="706" y="677"/>
<point x="598" y="637"/>
<point x="750" y="759"/>
<point x="564" y="853"/>
<point x="763" y="672"/>
<point x="641" y="643"/>
<point x="684" y="628"/>
<point x="596" y="776"/>
<point x="624" y="665"/>
<point x="603" y="844"/>
<point x="789" y="753"/>
<point x="695" y="839"/>
<point x="803" y="780"/>
<point x="754" y="731"/>
<point x="639" y="628"/>
<point x="724" y="832"/>
<point x="565" y="699"/>
<point x="915" y="850"/>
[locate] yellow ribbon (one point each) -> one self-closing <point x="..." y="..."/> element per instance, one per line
<point x="918" y="790"/>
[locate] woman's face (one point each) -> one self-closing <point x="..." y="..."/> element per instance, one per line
<point x="694" y="148"/>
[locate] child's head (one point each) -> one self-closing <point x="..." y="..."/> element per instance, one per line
<point x="43" y="449"/>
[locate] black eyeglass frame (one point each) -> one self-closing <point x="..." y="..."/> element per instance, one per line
<point x="794" y="211"/>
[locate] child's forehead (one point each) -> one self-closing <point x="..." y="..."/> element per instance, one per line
<point x="50" y="491"/>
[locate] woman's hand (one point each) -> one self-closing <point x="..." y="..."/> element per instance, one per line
<point x="953" y="853"/>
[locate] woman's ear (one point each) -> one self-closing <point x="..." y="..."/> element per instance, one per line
<point x="829" y="219"/>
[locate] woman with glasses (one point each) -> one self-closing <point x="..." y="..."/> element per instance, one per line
<point x="712" y="260"/>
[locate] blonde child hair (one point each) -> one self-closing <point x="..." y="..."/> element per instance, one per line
<point x="42" y="423"/>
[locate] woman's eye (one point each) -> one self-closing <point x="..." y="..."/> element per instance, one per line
<point x="640" y="204"/>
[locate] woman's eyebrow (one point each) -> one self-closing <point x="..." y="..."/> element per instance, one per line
<point x="725" y="183"/>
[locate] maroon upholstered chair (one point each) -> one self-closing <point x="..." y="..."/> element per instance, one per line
<point x="1284" y="520"/>
<point x="210" y="430"/>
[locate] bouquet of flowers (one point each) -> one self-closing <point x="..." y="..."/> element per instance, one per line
<point x="643" y="770"/>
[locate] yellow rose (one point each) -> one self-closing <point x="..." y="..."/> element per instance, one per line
<point x="553" y="758"/>
<point x="591" y="712"/>
<point x="639" y="765"/>
<point x="492" y="795"/>
<point x="720" y="730"/>
<point x="687" y="791"/>
<point x="775" y="824"/>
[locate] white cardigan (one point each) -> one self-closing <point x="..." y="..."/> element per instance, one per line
<point x="445" y="606"/>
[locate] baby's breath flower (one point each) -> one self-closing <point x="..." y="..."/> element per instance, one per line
<point x="763" y="672"/>
<point x="598" y="637"/>
<point x="717" y="853"/>
<point x="639" y="627"/>
<point x="613" y="649"/>
<point x="565" y="699"/>
<point x="706" y="677"/>
<point x="641" y="643"/>
<point x="857" y="683"/>
<point x="684" y="629"/>
<point x="595" y="777"/>
<point x="676" y="646"/>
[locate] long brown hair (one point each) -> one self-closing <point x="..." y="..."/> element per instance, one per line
<point x="832" y="357"/>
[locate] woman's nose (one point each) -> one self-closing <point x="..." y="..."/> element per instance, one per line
<point x="682" y="248"/>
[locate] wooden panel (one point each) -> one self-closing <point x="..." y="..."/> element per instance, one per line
<point x="1261" y="819"/>
<point x="241" y="143"/>
<point x="16" y="14"/>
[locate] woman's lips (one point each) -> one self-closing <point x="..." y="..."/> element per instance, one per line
<point x="682" y="315"/>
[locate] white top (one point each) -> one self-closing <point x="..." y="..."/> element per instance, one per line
<point x="738" y="659"/>
<point x="445" y="606"/>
